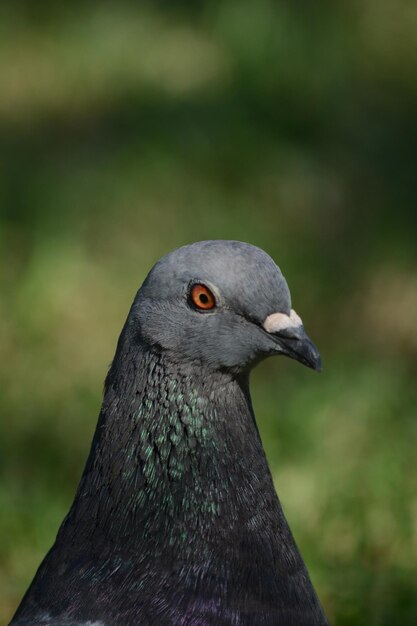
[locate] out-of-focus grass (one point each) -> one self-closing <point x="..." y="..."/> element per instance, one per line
<point x="127" y="131"/>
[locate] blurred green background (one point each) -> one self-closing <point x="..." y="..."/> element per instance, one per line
<point x="127" y="130"/>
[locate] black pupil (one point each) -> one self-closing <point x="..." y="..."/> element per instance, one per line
<point x="204" y="298"/>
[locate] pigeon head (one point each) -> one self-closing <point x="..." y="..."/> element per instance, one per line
<point x="224" y="304"/>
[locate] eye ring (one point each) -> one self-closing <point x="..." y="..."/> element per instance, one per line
<point x="201" y="297"/>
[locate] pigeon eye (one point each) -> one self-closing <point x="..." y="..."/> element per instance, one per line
<point x="202" y="298"/>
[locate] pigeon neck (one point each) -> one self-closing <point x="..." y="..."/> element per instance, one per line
<point x="174" y="450"/>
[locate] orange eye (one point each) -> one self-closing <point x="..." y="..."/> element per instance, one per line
<point x="202" y="298"/>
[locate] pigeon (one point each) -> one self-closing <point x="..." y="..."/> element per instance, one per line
<point x="176" y="520"/>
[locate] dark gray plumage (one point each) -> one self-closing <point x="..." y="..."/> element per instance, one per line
<point x="176" y="520"/>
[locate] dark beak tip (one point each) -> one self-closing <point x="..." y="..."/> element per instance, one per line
<point x="296" y="344"/>
<point x="318" y="366"/>
<point x="313" y="357"/>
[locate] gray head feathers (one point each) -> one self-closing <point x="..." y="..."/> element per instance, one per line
<point x="247" y="286"/>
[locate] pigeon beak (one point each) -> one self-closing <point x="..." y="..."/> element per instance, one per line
<point x="288" y="331"/>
